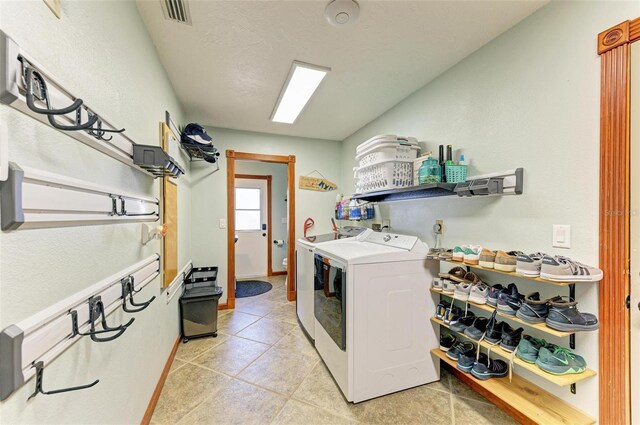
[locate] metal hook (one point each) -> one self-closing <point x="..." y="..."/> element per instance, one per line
<point x="30" y="76"/>
<point x="98" y="132"/>
<point x="39" y="378"/>
<point x="96" y="312"/>
<point x="128" y="289"/>
<point x="123" y="208"/>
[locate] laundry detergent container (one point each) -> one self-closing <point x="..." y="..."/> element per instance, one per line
<point x="199" y="309"/>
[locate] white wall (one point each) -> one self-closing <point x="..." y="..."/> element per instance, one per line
<point x="530" y="99"/>
<point x="209" y="195"/>
<point x="101" y="52"/>
<point x="278" y="173"/>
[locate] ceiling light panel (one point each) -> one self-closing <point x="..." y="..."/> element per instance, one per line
<point x="302" y="82"/>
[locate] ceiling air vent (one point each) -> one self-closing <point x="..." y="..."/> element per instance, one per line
<point x="176" y="10"/>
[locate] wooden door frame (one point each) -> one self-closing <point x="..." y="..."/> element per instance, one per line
<point x="290" y="161"/>
<point x="268" y="178"/>
<point x="615" y="221"/>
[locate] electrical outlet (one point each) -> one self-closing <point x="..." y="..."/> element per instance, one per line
<point x="439" y="227"/>
<point x="284" y="220"/>
<point x="223" y="223"/>
<point x="561" y="236"/>
<point x="386" y="224"/>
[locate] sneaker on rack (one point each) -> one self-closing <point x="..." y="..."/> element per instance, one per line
<point x="452" y="315"/>
<point x="510" y="337"/>
<point x="487" y="258"/>
<point x="448" y="286"/>
<point x="463" y="323"/>
<point x="479" y="293"/>
<point x="563" y="269"/>
<point x="565" y="316"/>
<point x="506" y="261"/>
<point x="458" y="253"/>
<point x="459" y="348"/>
<point x="492" y="296"/>
<point x="447" y="341"/>
<point x="436" y="284"/>
<point x="533" y="309"/>
<point x="529" y="265"/>
<point x="560" y="361"/>
<point x="493" y="332"/>
<point x="470" y="277"/>
<point x="472" y="255"/>
<point x="467" y="359"/>
<point x="462" y="291"/>
<point x="477" y="329"/>
<point x="441" y="309"/>
<point x="529" y="347"/>
<point x="509" y="300"/>
<point x="454" y="274"/>
<point x="495" y="369"/>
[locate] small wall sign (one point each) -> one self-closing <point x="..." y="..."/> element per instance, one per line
<point x="317" y="184"/>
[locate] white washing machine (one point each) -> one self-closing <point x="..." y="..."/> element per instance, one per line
<point x="305" y="276"/>
<point x="372" y="312"/>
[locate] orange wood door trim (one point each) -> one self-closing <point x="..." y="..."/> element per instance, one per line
<point x="290" y="160"/>
<point x="146" y="419"/>
<point x="269" y="215"/>
<point x="614" y="371"/>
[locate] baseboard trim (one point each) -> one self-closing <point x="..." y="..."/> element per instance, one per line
<point x="223" y="306"/>
<point x="279" y="273"/>
<point x="146" y="419"/>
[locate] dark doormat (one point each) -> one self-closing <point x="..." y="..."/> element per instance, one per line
<point x="251" y="288"/>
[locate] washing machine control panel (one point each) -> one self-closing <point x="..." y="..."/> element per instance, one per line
<point x="391" y="239"/>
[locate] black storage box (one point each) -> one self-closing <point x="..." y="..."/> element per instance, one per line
<point x="199" y="305"/>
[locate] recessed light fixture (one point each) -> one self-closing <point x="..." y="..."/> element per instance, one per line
<point x="302" y="82"/>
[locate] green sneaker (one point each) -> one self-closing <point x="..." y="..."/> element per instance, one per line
<point x="529" y="347"/>
<point x="560" y="361"/>
<point x="458" y="253"/>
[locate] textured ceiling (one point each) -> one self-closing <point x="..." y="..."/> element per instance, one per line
<point x="229" y="66"/>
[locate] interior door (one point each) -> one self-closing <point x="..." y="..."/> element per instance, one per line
<point x="635" y="232"/>
<point x="251" y="228"/>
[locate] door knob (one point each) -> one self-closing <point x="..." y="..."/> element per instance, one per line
<point x="264" y="234"/>
<point x="638" y="306"/>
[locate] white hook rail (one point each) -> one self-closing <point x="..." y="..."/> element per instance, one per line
<point x="33" y="198"/>
<point x="45" y="335"/>
<point x="13" y="90"/>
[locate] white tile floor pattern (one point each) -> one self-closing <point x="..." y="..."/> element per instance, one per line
<point x="261" y="369"/>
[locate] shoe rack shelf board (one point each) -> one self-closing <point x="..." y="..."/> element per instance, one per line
<point x="526" y="402"/>
<point x="13" y="93"/>
<point x="515" y="275"/>
<point x="512" y="185"/>
<point x="47" y="334"/>
<point x="32" y="198"/>
<point x="559" y="380"/>
<point x="542" y="327"/>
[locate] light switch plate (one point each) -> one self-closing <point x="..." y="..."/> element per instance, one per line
<point x="284" y="220"/>
<point x="561" y="236"/>
<point x="54" y="6"/>
<point x="223" y="223"/>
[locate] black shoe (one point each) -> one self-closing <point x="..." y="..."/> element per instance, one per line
<point x="509" y="300"/>
<point x="468" y="359"/>
<point x="493" y="333"/>
<point x="533" y="309"/>
<point x="492" y="297"/>
<point x="478" y="328"/>
<point x="459" y="348"/>
<point x="463" y="323"/>
<point x="447" y="341"/>
<point x="510" y="337"/>
<point x="564" y="316"/>
<point x="495" y="369"/>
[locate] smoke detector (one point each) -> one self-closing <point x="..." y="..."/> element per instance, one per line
<point x="342" y="13"/>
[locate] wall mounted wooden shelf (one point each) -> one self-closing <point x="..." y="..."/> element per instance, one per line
<point x="538" y="326"/>
<point x="526" y="402"/>
<point x="559" y="380"/>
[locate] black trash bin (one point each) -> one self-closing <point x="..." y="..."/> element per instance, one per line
<point x="199" y="308"/>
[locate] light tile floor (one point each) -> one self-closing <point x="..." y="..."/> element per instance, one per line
<point x="261" y="369"/>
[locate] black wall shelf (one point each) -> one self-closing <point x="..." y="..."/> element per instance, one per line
<point x="416" y="192"/>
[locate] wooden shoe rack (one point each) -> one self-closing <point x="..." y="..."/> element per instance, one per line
<point x="525" y="401"/>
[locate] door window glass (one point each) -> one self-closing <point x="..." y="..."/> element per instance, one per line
<point x="248" y="208"/>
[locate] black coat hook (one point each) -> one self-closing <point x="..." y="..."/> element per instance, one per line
<point x="128" y="289"/>
<point x="98" y="132"/>
<point x="96" y="312"/>
<point x="39" y="378"/>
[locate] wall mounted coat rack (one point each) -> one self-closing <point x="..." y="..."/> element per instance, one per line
<point x="28" y="87"/>
<point x="30" y="345"/>
<point x="32" y="198"/>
